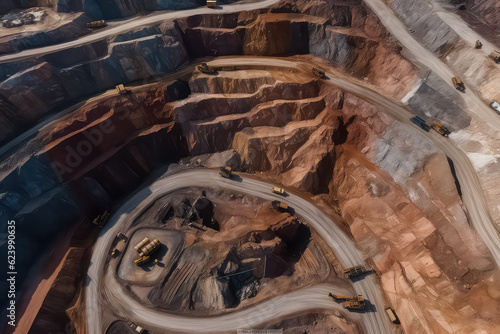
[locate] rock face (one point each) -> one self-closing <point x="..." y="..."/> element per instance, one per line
<point x="49" y="84"/>
<point x="429" y="29"/>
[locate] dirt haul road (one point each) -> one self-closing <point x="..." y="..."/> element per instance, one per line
<point x="373" y="321"/>
<point x="134" y="22"/>
<point x="427" y="58"/>
<point x="472" y="193"/>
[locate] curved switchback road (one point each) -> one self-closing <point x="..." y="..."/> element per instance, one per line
<point x="298" y="301"/>
<point x="131" y="23"/>
<point x="472" y="196"/>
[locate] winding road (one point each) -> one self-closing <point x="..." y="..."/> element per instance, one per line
<point x="131" y="23"/>
<point x="301" y="300"/>
<point x="298" y="301"/>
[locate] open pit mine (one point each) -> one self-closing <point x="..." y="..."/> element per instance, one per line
<point x="253" y="166"/>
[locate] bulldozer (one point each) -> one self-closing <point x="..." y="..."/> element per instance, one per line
<point x="204" y="68"/>
<point x="97" y="24"/>
<point x="478" y="44"/>
<point x="319" y="73"/>
<point x="459" y="85"/>
<point x="355" y="303"/>
<point x="145" y="248"/>
<point x="441" y="129"/>
<point x="101" y="219"/>
<point x="354" y="271"/>
<point x="225" y="172"/>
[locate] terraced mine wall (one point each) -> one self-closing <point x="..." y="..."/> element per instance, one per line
<point x="287" y="125"/>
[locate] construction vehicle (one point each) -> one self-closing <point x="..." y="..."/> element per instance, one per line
<point x="146" y="250"/>
<point x="204" y="68"/>
<point x="496" y="106"/>
<point x="355" y="303"/>
<point x="136" y="328"/>
<point x="279" y="191"/>
<point x="97" y="24"/>
<point x="392" y="315"/>
<point x="101" y="219"/>
<point x="478" y="44"/>
<point x="441" y="129"/>
<point x="226" y="172"/>
<point x="115" y="252"/>
<point x="212" y="3"/>
<point x="495" y="55"/>
<point x="319" y="73"/>
<point x="354" y="271"/>
<point x="421" y="123"/>
<point x="280" y="206"/>
<point x="459" y="85"/>
<point x="122" y="90"/>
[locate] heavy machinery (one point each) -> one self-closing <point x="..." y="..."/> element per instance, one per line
<point x="319" y="73"/>
<point x="478" y="44"/>
<point x="354" y="271"/>
<point x="226" y="172"/>
<point x="496" y="106"/>
<point x="441" y="129"/>
<point x="495" y="55"/>
<point x="122" y="90"/>
<point x="355" y="303"/>
<point x="204" y="68"/>
<point x="279" y="191"/>
<point x="280" y="206"/>
<point x="392" y="315"/>
<point x="101" y="219"/>
<point x="146" y="250"/>
<point x="115" y="252"/>
<point x="421" y="123"/>
<point x="212" y="3"/>
<point x="459" y="85"/>
<point x="97" y="24"/>
<point x="136" y="328"/>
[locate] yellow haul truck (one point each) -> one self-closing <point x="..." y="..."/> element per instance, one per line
<point x="97" y="24"/>
<point x="355" y="303"/>
<point x="212" y="3"/>
<point x="441" y="129"/>
<point x="459" y="85"/>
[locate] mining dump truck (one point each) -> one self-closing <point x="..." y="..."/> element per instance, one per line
<point x="441" y="129"/>
<point x="495" y="55"/>
<point x="97" y="24"/>
<point x="421" y="123"/>
<point x="211" y="3"/>
<point x="101" y="219"/>
<point x="392" y="315"/>
<point x="279" y="191"/>
<point x="478" y="44"/>
<point x="459" y="85"/>
<point x="226" y="172"/>
<point x="204" y="68"/>
<point x="136" y="328"/>
<point x="496" y="106"/>
<point x="280" y="206"/>
<point x="319" y="73"/>
<point x="356" y="303"/>
<point x="122" y="90"/>
<point x="354" y="271"/>
<point x="146" y="251"/>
